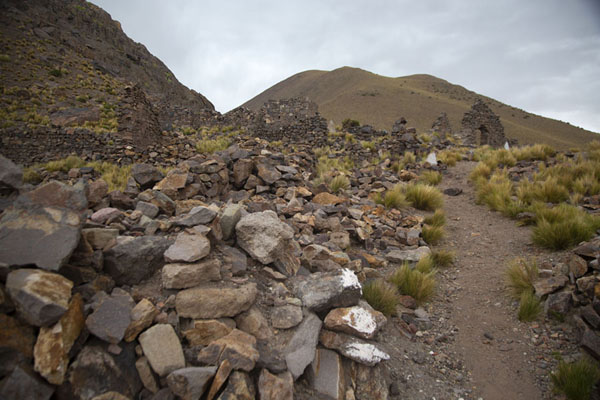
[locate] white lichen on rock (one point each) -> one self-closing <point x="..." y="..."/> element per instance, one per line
<point x="361" y="320"/>
<point x="350" y="280"/>
<point x="365" y="353"/>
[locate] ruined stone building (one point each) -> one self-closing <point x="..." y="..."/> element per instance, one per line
<point x="442" y="126"/>
<point x="480" y="126"/>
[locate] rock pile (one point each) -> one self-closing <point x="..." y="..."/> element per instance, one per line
<point x="228" y="278"/>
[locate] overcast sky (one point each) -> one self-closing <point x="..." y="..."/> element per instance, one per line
<point x="539" y="55"/>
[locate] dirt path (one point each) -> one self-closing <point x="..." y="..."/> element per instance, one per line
<point x="490" y="339"/>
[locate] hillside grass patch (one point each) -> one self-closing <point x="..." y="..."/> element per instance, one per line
<point x="424" y="197"/>
<point x="381" y="295"/>
<point x="420" y="286"/>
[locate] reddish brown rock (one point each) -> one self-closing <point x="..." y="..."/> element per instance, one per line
<point x="206" y="331"/>
<point x="238" y="347"/>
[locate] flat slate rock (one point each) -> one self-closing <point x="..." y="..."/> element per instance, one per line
<point x="300" y="351"/>
<point x="162" y="348"/>
<point x="353" y="348"/>
<point x="209" y="303"/>
<point x="44" y="236"/>
<point x="322" y="291"/>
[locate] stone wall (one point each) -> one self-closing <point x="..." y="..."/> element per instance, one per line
<point x="442" y="126"/>
<point x="480" y="126"/>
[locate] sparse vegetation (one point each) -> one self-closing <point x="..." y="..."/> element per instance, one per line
<point x="381" y="295"/>
<point x="339" y="184"/>
<point x="437" y="219"/>
<point x="418" y="285"/>
<point x="209" y="146"/>
<point x="432" y="234"/>
<point x="529" y="306"/>
<point x="520" y="275"/>
<point x="442" y="258"/>
<point x="576" y="380"/>
<point x="426" y="264"/>
<point x="349" y="123"/>
<point x="424" y="197"/>
<point x="393" y="198"/>
<point x="431" y="177"/>
<point x="449" y="157"/>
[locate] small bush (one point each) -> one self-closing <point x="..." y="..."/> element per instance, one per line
<point x="481" y="171"/>
<point x="210" y="146"/>
<point x="397" y="166"/>
<point x="432" y="234"/>
<point x="350" y="123"/>
<point x="339" y="184"/>
<point x="576" y="380"/>
<point x="520" y="275"/>
<point x="368" y="145"/>
<point x="424" y="197"/>
<point x="426" y="264"/>
<point x="116" y="176"/>
<point x="418" y="285"/>
<point x="442" y="258"/>
<point x="449" y="157"/>
<point x="30" y="175"/>
<point x="409" y="157"/>
<point x="529" y="307"/>
<point x="431" y="177"/>
<point x="437" y="219"/>
<point x="393" y="198"/>
<point x="548" y="191"/>
<point x="381" y="295"/>
<point x="560" y="235"/>
<point x="535" y="152"/>
<point x="64" y="165"/>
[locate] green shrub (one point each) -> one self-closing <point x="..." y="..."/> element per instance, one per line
<point x="209" y="146"/>
<point x="520" y="275"/>
<point x="339" y="184"/>
<point x="437" y="219"/>
<point x="350" y="123"/>
<point x="424" y="197"/>
<point x="432" y="234"/>
<point x="563" y="234"/>
<point x="442" y="258"/>
<point x="418" y="285"/>
<point x="64" y="165"/>
<point x="426" y="264"/>
<point x="381" y="295"/>
<point x="576" y="380"/>
<point x="431" y="177"/>
<point x="367" y="145"/>
<point x="529" y="306"/>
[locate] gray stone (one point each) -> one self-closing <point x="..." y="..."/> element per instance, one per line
<point x="242" y="169"/>
<point x="237" y="347"/>
<point x="55" y="194"/>
<point x="182" y="276"/>
<point x="322" y="291"/>
<point x="590" y="316"/>
<point x="285" y="317"/>
<point x="106" y="214"/>
<point x="23" y="383"/>
<point x="148" y="209"/>
<point x="300" y="351"/>
<point x="254" y="322"/>
<point x="146" y="374"/>
<point x="146" y="175"/>
<point x="159" y="199"/>
<point x="99" y="238"/>
<point x="239" y="387"/>
<point x="275" y="387"/>
<point x="134" y="259"/>
<point x="96" y="371"/>
<point x="190" y="383"/>
<point x="268" y="173"/>
<point x="229" y="219"/>
<point x="412" y="256"/>
<point x="353" y="348"/>
<point x="371" y="383"/>
<point x="268" y="240"/>
<point x="44" y="236"/>
<point x="188" y="247"/>
<point x="40" y="297"/>
<point x="327" y="374"/>
<point x="591" y="343"/>
<point x="199" y="215"/>
<point x="110" y="319"/>
<point x="11" y="175"/>
<point x="340" y="239"/>
<point x="215" y="302"/>
<point x="546" y="286"/>
<point x="358" y="321"/>
<point x="162" y="348"/>
<point x="237" y="259"/>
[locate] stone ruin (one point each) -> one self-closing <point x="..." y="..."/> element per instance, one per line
<point x="441" y="126"/>
<point x="480" y="126"/>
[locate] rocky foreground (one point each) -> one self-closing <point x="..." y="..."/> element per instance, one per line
<point x="152" y="293"/>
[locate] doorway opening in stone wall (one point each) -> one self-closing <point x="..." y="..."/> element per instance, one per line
<point x="483" y="136"/>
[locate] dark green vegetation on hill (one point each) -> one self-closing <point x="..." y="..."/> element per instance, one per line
<point x="379" y="101"/>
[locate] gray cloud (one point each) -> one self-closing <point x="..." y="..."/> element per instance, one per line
<point x="540" y="55"/>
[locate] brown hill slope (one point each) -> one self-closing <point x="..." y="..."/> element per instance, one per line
<point x="61" y="56"/>
<point x="378" y="100"/>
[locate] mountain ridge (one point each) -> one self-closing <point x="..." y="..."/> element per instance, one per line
<point x="378" y="100"/>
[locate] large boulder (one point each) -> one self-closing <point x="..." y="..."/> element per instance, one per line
<point x="267" y="239"/>
<point x="134" y="259"/>
<point x="322" y="291"/>
<point x="44" y="236"/>
<point x="40" y="297"/>
<point x="146" y="175"/>
<point x="55" y="194"/>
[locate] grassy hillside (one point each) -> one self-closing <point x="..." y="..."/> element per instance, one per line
<point x="378" y="100"/>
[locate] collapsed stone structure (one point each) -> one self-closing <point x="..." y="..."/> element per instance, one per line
<point x="480" y="126"/>
<point x="441" y="126"/>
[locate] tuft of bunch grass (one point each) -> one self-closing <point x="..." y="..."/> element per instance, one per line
<point x="393" y="198"/>
<point x="424" y="197"/>
<point x="449" y="157"/>
<point x="548" y="191"/>
<point x="432" y="234"/>
<point x="520" y="275"/>
<point x="426" y="264"/>
<point x="431" y="177"/>
<point x="437" y="219"/>
<point x="442" y="258"/>
<point x="420" y="286"/>
<point x="381" y="295"/>
<point x="560" y="235"/>
<point x="576" y="380"/>
<point x="481" y="172"/>
<point x="339" y="184"/>
<point x="534" y="152"/>
<point x="529" y="306"/>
